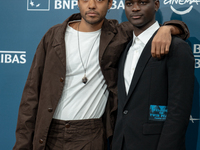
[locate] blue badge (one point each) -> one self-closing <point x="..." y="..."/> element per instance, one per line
<point x="158" y="113"/>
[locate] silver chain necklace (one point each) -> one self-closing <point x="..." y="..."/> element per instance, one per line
<point x="84" y="79"/>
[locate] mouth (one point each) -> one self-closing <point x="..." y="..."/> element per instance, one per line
<point x="92" y="13"/>
<point x="136" y="16"/>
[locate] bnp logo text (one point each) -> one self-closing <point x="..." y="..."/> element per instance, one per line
<point x="196" y="51"/>
<point x="13" y="57"/>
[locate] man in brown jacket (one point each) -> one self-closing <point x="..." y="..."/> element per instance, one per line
<point x="71" y="87"/>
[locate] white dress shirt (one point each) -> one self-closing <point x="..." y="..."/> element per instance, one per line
<point x="135" y="51"/>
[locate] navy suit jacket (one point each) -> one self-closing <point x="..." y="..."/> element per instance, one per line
<point x="162" y="83"/>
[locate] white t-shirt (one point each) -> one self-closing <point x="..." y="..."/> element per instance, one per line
<point x="79" y="100"/>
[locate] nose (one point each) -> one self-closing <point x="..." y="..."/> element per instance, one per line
<point x="135" y="7"/>
<point x="92" y="4"/>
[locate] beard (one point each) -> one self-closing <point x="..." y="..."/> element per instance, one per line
<point x="92" y="20"/>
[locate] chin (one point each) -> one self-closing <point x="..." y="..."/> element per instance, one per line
<point x="138" y="25"/>
<point x="93" y="21"/>
<point x="136" y="22"/>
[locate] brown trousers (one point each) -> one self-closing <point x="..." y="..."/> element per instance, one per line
<point x="88" y="134"/>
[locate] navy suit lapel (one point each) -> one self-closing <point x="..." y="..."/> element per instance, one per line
<point x="121" y="84"/>
<point x="143" y="60"/>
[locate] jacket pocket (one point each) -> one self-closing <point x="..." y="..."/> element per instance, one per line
<point x="152" y="128"/>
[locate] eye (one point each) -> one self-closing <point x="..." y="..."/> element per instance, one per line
<point x="143" y="2"/>
<point x="128" y="4"/>
<point x="99" y="0"/>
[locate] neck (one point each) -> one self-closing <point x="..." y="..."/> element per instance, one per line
<point x="87" y="27"/>
<point x="139" y="29"/>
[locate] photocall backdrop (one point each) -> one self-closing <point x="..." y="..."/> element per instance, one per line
<point x="24" y="22"/>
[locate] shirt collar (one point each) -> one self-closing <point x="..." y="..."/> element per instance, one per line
<point x="147" y="34"/>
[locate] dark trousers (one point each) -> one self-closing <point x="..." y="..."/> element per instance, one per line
<point x="88" y="134"/>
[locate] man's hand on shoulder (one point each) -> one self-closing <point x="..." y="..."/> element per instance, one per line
<point x="161" y="41"/>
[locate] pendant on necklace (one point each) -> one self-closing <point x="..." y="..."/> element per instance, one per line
<point x="84" y="79"/>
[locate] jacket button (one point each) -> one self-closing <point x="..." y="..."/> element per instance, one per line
<point x="125" y="112"/>
<point x="41" y="141"/>
<point x="50" y="109"/>
<point x="61" y="79"/>
<point x="67" y="125"/>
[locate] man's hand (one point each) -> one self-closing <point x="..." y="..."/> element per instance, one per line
<point x="162" y="40"/>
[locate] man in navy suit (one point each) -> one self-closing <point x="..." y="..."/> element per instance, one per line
<point x="154" y="95"/>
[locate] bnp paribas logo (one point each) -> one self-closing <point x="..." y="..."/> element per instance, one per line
<point x="193" y="119"/>
<point x="196" y="52"/>
<point x="38" y="5"/>
<point x="12" y="57"/>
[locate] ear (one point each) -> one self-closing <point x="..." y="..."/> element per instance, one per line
<point x="157" y="5"/>
<point x="110" y="4"/>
